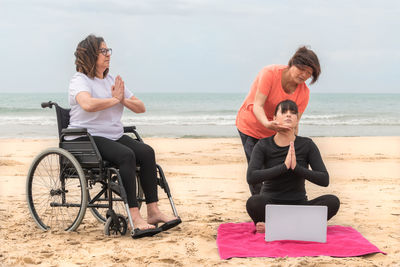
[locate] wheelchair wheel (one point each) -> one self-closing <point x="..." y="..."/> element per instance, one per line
<point x="56" y="190"/>
<point x="118" y="203"/>
<point x="115" y="229"/>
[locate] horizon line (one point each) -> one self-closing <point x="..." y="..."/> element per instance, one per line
<point x="199" y="92"/>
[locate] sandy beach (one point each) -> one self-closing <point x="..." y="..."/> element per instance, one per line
<point x="207" y="179"/>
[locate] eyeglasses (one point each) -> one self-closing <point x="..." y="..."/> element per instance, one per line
<point x="106" y="51"/>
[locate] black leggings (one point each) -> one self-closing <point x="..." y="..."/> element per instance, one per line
<point x="248" y="144"/>
<point x="126" y="153"/>
<point x="256" y="205"/>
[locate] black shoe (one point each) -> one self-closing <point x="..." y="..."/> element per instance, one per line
<point x="139" y="233"/>
<point x="168" y="225"/>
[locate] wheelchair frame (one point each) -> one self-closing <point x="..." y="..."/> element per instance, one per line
<point x="79" y="163"/>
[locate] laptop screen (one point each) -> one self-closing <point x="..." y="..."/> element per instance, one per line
<point x="296" y="222"/>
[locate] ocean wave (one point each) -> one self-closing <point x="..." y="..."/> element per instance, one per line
<point x="12" y="110"/>
<point x="182" y="120"/>
<point x="208" y="119"/>
<point x="28" y="120"/>
<point x="353" y="122"/>
<point x="323" y="116"/>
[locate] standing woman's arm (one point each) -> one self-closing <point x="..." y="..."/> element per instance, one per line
<point x="264" y="86"/>
<point x="258" y="109"/>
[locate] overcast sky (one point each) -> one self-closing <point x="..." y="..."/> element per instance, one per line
<point x="201" y="45"/>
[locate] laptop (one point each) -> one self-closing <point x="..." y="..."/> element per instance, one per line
<point x="296" y="222"/>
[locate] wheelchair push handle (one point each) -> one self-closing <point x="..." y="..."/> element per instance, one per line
<point x="49" y="104"/>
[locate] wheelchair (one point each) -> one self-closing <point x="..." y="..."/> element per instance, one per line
<point x="63" y="181"/>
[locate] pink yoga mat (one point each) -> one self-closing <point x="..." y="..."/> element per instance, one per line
<point x="240" y="240"/>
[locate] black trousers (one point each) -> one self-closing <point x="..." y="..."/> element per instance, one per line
<point x="248" y="144"/>
<point x="126" y="153"/>
<point x="256" y="205"/>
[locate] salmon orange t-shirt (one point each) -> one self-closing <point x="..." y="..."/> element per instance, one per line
<point x="269" y="83"/>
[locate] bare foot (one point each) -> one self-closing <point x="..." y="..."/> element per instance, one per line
<point x="159" y="217"/>
<point x="138" y="220"/>
<point x="142" y="224"/>
<point x="260" y="227"/>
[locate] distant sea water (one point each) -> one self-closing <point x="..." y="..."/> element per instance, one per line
<point x="210" y="115"/>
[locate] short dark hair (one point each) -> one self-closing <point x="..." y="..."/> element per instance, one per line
<point x="306" y="57"/>
<point x="86" y="55"/>
<point x="287" y="105"/>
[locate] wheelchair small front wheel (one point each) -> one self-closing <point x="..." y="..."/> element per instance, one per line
<point x="116" y="228"/>
<point x="56" y="190"/>
<point x="99" y="190"/>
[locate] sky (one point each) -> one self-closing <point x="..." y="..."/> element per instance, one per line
<point x="201" y="45"/>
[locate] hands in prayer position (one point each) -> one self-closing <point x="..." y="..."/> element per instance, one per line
<point x="117" y="90"/>
<point x="290" y="160"/>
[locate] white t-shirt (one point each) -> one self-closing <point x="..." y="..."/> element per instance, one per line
<point x="106" y="123"/>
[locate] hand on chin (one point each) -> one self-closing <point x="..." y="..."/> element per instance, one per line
<point x="288" y="124"/>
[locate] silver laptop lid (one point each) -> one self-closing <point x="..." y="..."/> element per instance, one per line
<point x="296" y="222"/>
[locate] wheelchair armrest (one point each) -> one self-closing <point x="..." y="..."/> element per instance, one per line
<point x="132" y="129"/>
<point x="74" y="131"/>
<point x="129" y="129"/>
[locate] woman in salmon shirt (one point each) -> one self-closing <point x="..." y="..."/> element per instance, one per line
<point x="272" y="85"/>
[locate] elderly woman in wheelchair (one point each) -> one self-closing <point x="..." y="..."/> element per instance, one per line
<point x="97" y="164"/>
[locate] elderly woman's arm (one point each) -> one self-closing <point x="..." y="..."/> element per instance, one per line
<point x="91" y="104"/>
<point x="134" y="104"/>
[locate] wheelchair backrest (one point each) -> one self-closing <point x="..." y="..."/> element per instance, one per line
<point x="83" y="151"/>
<point x="62" y="118"/>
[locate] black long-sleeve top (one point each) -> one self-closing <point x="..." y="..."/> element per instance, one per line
<point x="267" y="165"/>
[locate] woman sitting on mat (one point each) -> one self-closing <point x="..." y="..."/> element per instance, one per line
<point x="280" y="163"/>
<point x="97" y="101"/>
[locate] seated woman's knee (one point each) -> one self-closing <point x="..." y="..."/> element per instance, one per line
<point x="127" y="156"/>
<point x="333" y="204"/>
<point x="333" y="201"/>
<point x="253" y="204"/>
<point x="149" y="151"/>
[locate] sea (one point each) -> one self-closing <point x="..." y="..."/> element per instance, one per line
<point x="204" y="115"/>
